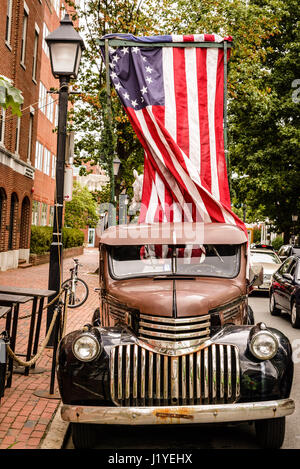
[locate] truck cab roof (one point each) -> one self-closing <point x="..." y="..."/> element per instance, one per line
<point x="173" y="233"/>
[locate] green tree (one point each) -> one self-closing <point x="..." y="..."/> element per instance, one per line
<point x="81" y="211"/>
<point x="266" y="133"/>
<point x="97" y="140"/>
<point x="10" y="97"/>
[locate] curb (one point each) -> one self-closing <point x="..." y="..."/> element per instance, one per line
<point x="57" y="434"/>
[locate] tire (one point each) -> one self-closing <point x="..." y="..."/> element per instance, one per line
<point x="84" y="435"/>
<point x="270" y="432"/>
<point x="274" y="311"/>
<point x="295" y="315"/>
<point x="250" y="317"/>
<point x="82" y="288"/>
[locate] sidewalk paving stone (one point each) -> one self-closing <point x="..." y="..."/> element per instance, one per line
<point x="25" y="418"/>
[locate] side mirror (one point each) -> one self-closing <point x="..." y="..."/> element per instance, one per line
<point x="256" y="275"/>
<point x="288" y="277"/>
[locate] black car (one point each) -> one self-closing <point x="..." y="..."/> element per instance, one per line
<point x="288" y="250"/>
<point x="285" y="290"/>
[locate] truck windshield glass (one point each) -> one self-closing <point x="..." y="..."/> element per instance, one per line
<point x="169" y="260"/>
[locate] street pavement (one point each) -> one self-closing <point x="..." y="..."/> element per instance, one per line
<point x="28" y="421"/>
<point x="25" y="418"/>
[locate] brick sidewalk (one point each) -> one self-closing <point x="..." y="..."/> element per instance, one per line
<point x="24" y="417"/>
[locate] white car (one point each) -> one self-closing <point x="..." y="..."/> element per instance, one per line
<point x="270" y="262"/>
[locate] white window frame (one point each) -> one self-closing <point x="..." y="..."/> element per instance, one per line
<point x="43" y="98"/>
<point x="2" y="127"/>
<point x="44" y="211"/>
<point x="8" y="23"/>
<point x="18" y="129"/>
<point x="53" y="167"/>
<point x="24" y="34"/>
<point x="47" y="156"/>
<point x="35" y="212"/>
<point x="46" y="33"/>
<point x="30" y="132"/>
<point x="39" y="150"/>
<point x="35" y="51"/>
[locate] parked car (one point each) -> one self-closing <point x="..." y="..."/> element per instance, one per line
<point x="262" y="246"/>
<point x="269" y="261"/>
<point x="288" y="250"/>
<point x="174" y="341"/>
<point x="285" y="290"/>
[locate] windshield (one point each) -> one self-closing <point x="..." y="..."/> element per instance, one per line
<point x="265" y="257"/>
<point x="169" y="260"/>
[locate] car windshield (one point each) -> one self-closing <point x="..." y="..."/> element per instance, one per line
<point x="265" y="257"/>
<point x="170" y="260"/>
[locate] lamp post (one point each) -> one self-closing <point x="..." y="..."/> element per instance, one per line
<point x="65" y="47"/>
<point x="115" y="166"/>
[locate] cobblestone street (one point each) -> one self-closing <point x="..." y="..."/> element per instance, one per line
<point x="24" y="417"/>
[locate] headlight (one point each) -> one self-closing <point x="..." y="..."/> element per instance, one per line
<point x="86" y="347"/>
<point x="264" y="345"/>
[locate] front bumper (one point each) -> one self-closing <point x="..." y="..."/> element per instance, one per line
<point x="178" y="414"/>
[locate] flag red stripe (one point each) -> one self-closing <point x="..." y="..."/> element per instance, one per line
<point x="205" y="169"/>
<point x="182" y="137"/>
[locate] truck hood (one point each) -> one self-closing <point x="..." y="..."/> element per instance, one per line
<point x="189" y="297"/>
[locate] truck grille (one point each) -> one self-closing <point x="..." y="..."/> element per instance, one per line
<point x="139" y="377"/>
<point x="167" y="331"/>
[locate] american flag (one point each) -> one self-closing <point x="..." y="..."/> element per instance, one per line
<point x="174" y="99"/>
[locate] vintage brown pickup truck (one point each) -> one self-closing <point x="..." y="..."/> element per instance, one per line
<point x="174" y="340"/>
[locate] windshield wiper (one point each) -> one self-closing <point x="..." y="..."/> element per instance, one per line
<point x="218" y="254"/>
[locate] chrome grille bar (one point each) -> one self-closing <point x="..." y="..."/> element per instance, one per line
<point x="143" y="378"/>
<point x="164" y="330"/>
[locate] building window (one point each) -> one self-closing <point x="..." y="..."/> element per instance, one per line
<point x="8" y="21"/>
<point x="3" y="208"/>
<point x="43" y="98"/>
<point x="31" y="116"/>
<point x="49" y="109"/>
<point x="44" y="214"/>
<point x="39" y="149"/>
<point x="45" y="34"/>
<point x="47" y="162"/>
<point x="53" y="167"/>
<point x="2" y="126"/>
<point x="18" y="128"/>
<point x="56" y="6"/>
<point x="24" y="34"/>
<point x="35" y="212"/>
<point x="13" y="222"/>
<point x="51" y="215"/>
<point x="35" y="53"/>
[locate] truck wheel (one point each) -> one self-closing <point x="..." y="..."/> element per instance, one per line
<point x="270" y="432"/>
<point x="295" y="315"/>
<point x="273" y="308"/>
<point x="84" y="435"/>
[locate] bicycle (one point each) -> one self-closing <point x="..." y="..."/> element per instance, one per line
<point x="78" y="289"/>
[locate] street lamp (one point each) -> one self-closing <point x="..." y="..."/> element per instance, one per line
<point x="65" y="46"/>
<point x="116" y="165"/>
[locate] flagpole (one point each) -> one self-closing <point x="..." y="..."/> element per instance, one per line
<point x="111" y="209"/>
<point x="225" y="116"/>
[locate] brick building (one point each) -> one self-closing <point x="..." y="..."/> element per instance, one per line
<point x="28" y="143"/>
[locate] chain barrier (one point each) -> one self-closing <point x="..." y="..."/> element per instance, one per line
<point x="46" y="340"/>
